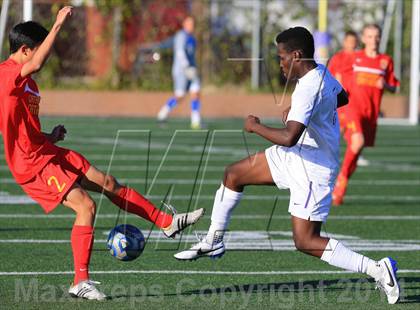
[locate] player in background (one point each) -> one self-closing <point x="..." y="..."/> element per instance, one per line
<point x="341" y="64"/>
<point x="184" y="74"/>
<point x="341" y="67"/>
<point x="304" y="159"/>
<point x="50" y="174"/>
<point x="373" y="72"/>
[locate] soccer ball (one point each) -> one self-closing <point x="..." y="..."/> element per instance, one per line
<point x="125" y="242"/>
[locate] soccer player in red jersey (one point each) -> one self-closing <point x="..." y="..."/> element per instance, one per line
<point x="373" y="72"/>
<point x="341" y="67"/>
<point x="341" y="64"/>
<point x="50" y="174"/>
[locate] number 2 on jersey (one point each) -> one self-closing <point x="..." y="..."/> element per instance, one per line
<point x="59" y="187"/>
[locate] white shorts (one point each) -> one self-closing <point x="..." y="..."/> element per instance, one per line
<point x="182" y="84"/>
<point x="310" y="186"/>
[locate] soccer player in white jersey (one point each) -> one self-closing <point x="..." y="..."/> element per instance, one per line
<point x="184" y="74"/>
<point x="303" y="159"/>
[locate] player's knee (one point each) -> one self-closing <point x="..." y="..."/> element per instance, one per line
<point x="357" y="143"/>
<point x="300" y="243"/>
<point x="90" y="206"/>
<point x="87" y="208"/>
<point x="232" y="176"/>
<point x="195" y="95"/>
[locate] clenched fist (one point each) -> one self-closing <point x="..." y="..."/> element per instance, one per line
<point x="250" y="123"/>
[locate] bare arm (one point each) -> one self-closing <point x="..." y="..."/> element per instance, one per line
<point x="382" y="84"/>
<point x="41" y="55"/>
<point x="392" y="89"/>
<point x="288" y="136"/>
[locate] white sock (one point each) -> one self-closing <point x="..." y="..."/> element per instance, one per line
<point x="195" y="118"/>
<point x="225" y="201"/>
<point x="338" y="255"/>
<point x="163" y="113"/>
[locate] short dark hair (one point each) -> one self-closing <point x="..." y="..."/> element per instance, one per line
<point x="297" y="38"/>
<point x="350" y="33"/>
<point x="29" y="33"/>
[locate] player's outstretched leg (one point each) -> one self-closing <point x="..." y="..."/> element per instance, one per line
<point x="131" y="201"/>
<point x="82" y="242"/>
<point x="353" y="151"/>
<point x="253" y="170"/>
<point x="307" y="238"/>
<point x="167" y="108"/>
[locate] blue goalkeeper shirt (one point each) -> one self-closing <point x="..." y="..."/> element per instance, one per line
<point x="185" y="46"/>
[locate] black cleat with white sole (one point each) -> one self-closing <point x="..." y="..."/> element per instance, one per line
<point x="181" y="221"/>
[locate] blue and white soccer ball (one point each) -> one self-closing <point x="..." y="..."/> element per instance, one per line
<point x="125" y="242"/>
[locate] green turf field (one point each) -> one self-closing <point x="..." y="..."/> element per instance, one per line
<point x="261" y="270"/>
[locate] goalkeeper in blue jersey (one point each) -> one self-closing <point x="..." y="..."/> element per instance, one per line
<point x="184" y="73"/>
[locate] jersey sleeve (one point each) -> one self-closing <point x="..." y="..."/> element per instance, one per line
<point x="179" y="49"/>
<point x="390" y="77"/>
<point x="332" y="65"/>
<point x="303" y="103"/>
<point x="14" y="77"/>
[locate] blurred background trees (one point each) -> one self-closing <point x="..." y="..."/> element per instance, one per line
<point x="109" y="44"/>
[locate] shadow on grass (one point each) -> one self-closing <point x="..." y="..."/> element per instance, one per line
<point x="285" y="287"/>
<point x="347" y="286"/>
<point x="410" y="284"/>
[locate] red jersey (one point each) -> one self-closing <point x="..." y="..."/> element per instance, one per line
<point x="366" y="90"/>
<point x="26" y="148"/>
<point x="341" y="67"/>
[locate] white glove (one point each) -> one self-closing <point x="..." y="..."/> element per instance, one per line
<point x="191" y="73"/>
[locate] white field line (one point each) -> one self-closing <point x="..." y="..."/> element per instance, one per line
<point x="165" y="181"/>
<point x="196" y="147"/>
<point x="234" y="138"/>
<point x="106" y="122"/>
<point x="101" y="153"/>
<point x="239" y="150"/>
<point x="239" y="236"/>
<point x="255" y="240"/>
<point x="228" y="134"/>
<point x="218" y="181"/>
<point x="259" y="245"/>
<point x="193" y="147"/>
<point x="111" y="125"/>
<point x="235" y="217"/>
<point x="194" y="272"/>
<point x="24" y="200"/>
<point x="213" y="157"/>
<point x="382" y="168"/>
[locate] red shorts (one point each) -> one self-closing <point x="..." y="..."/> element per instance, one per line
<point x="52" y="183"/>
<point x="353" y="122"/>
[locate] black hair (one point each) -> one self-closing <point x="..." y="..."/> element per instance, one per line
<point x="29" y="33"/>
<point x="350" y="33"/>
<point x="297" y="38"/>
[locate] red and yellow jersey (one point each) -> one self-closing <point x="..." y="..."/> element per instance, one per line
<point x="341" y="67"/>
<point x="369" y="76"/>
<point x="26" y="148"/>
